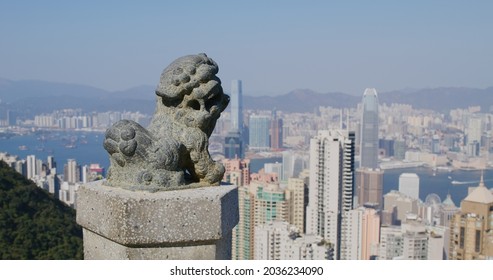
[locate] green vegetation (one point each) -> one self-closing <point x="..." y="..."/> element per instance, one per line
<point x="33" y="224"/>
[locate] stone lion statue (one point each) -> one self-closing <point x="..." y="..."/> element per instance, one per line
<point x="172" y="153"/>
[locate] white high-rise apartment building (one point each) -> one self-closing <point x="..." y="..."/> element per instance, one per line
<point x="331" y="184"/>
<point x="474" y="130"/>
<point x="409" y="184"/>
<point x="295" y="195"/>
<point x="51" y="162"/>
<point x="72" y="174"/>
<point x="31" y="166"/>
<point x="281" y="241"/>
<point x="360" y="234"/>
<point x="411" y="241"/>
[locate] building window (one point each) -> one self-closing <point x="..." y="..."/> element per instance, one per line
<point x="477" y="245"/>
<point x="461" y="237"/>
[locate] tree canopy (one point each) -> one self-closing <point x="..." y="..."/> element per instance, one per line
<point x="34" y="224"/>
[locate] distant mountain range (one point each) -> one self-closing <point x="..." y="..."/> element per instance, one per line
<point x="442" y="99"/>
<point x="34" y="97"/>
<point x="437" y="99"/>
<point x="300" y="100"/>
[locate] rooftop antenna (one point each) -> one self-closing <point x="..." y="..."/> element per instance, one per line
<point x="347" y="120"/>
<point x="481" y="182"/>
<point x="340" y="119"/>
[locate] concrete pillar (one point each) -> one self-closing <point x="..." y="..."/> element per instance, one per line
<point x="182" y="224"/>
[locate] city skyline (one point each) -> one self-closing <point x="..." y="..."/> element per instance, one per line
<point x="405" y="218"/>
<point x="299" y="193"/>
<point x="273" y="47"/>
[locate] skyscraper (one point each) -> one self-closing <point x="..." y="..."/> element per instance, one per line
<point x="474" y="129"/>
<point x="258" y="203"/>
<point x="259" y="135"/>
<point x="447" y="211"/>
<point x="237" y="171"/>
<point x="369" y="130"/>
<point x="295" y="194"/>
<point x="369" y="186"/>
<point x="233" y="146"/>
<point x="275" y="131"/>
<point x="234" y="142"/>
<point x="236" y="106"/>
<point x="411" y="241"/>
<point x="360" y="234"/>
<point x="396" y="206"/>
<point x="471" y="228"/>
<point x="435" y="144"/>
<point x="71" y="171"/>
<point x="293" y="162"/>
<point x="331" y="184"/>
<point x="31" y="166"/>
<point x="409" y="184"/>
<point x="11" y="118"/>
<point x="279" y="240"/>
<point x="51" y="162"/>
<point x="242" y="239"/>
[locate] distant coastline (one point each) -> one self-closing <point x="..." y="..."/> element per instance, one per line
<point x="83" y="145"/>
<point x="404" y="165"/>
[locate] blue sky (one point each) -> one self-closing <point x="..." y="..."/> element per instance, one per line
<point x="273" y="46"/>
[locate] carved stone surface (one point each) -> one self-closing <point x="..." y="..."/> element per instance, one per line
<point x="172" y="153"/>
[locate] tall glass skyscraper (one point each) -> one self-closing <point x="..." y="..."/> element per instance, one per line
<point x="259" y="132"/>
<point x="234" y="142"/>
<point x="369" y="130"/>
<point x="236" y="106"/>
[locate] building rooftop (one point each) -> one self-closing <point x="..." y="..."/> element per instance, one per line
<point x="449" y="202"/>
<point x="480" y="194"/>
<point x="409" y="175"/>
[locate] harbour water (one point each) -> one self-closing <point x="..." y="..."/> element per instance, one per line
<point x="437" y="182"/>
<point x="87" y="148"/>
<point x="84" y="147"/>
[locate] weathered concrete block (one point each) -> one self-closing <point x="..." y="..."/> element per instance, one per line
<point x="181" y="224"/>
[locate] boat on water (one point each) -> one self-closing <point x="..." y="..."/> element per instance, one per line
<point x="444" y="169"/>
<point x="463" y="182"/>
<point x="23" y="147"/>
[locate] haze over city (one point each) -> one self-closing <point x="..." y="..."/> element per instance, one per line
<point x="273" y="46"/>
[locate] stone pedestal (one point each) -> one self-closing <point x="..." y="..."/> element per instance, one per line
<point x="183" y="224"/>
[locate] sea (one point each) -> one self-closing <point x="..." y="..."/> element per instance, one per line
<point x="87" y="147"/>
<point x="437" y="182"/>
<point x="84" y="147"/>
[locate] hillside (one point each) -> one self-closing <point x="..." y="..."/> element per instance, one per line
<point x="441" y="99"/>
<point x="437" y="99"/>
<point x="33" y="224"/>
<point x="300" y="100"/>
<point x="35" y="97"/>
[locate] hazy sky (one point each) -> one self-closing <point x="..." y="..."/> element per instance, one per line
<point x="273" y="46"/>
